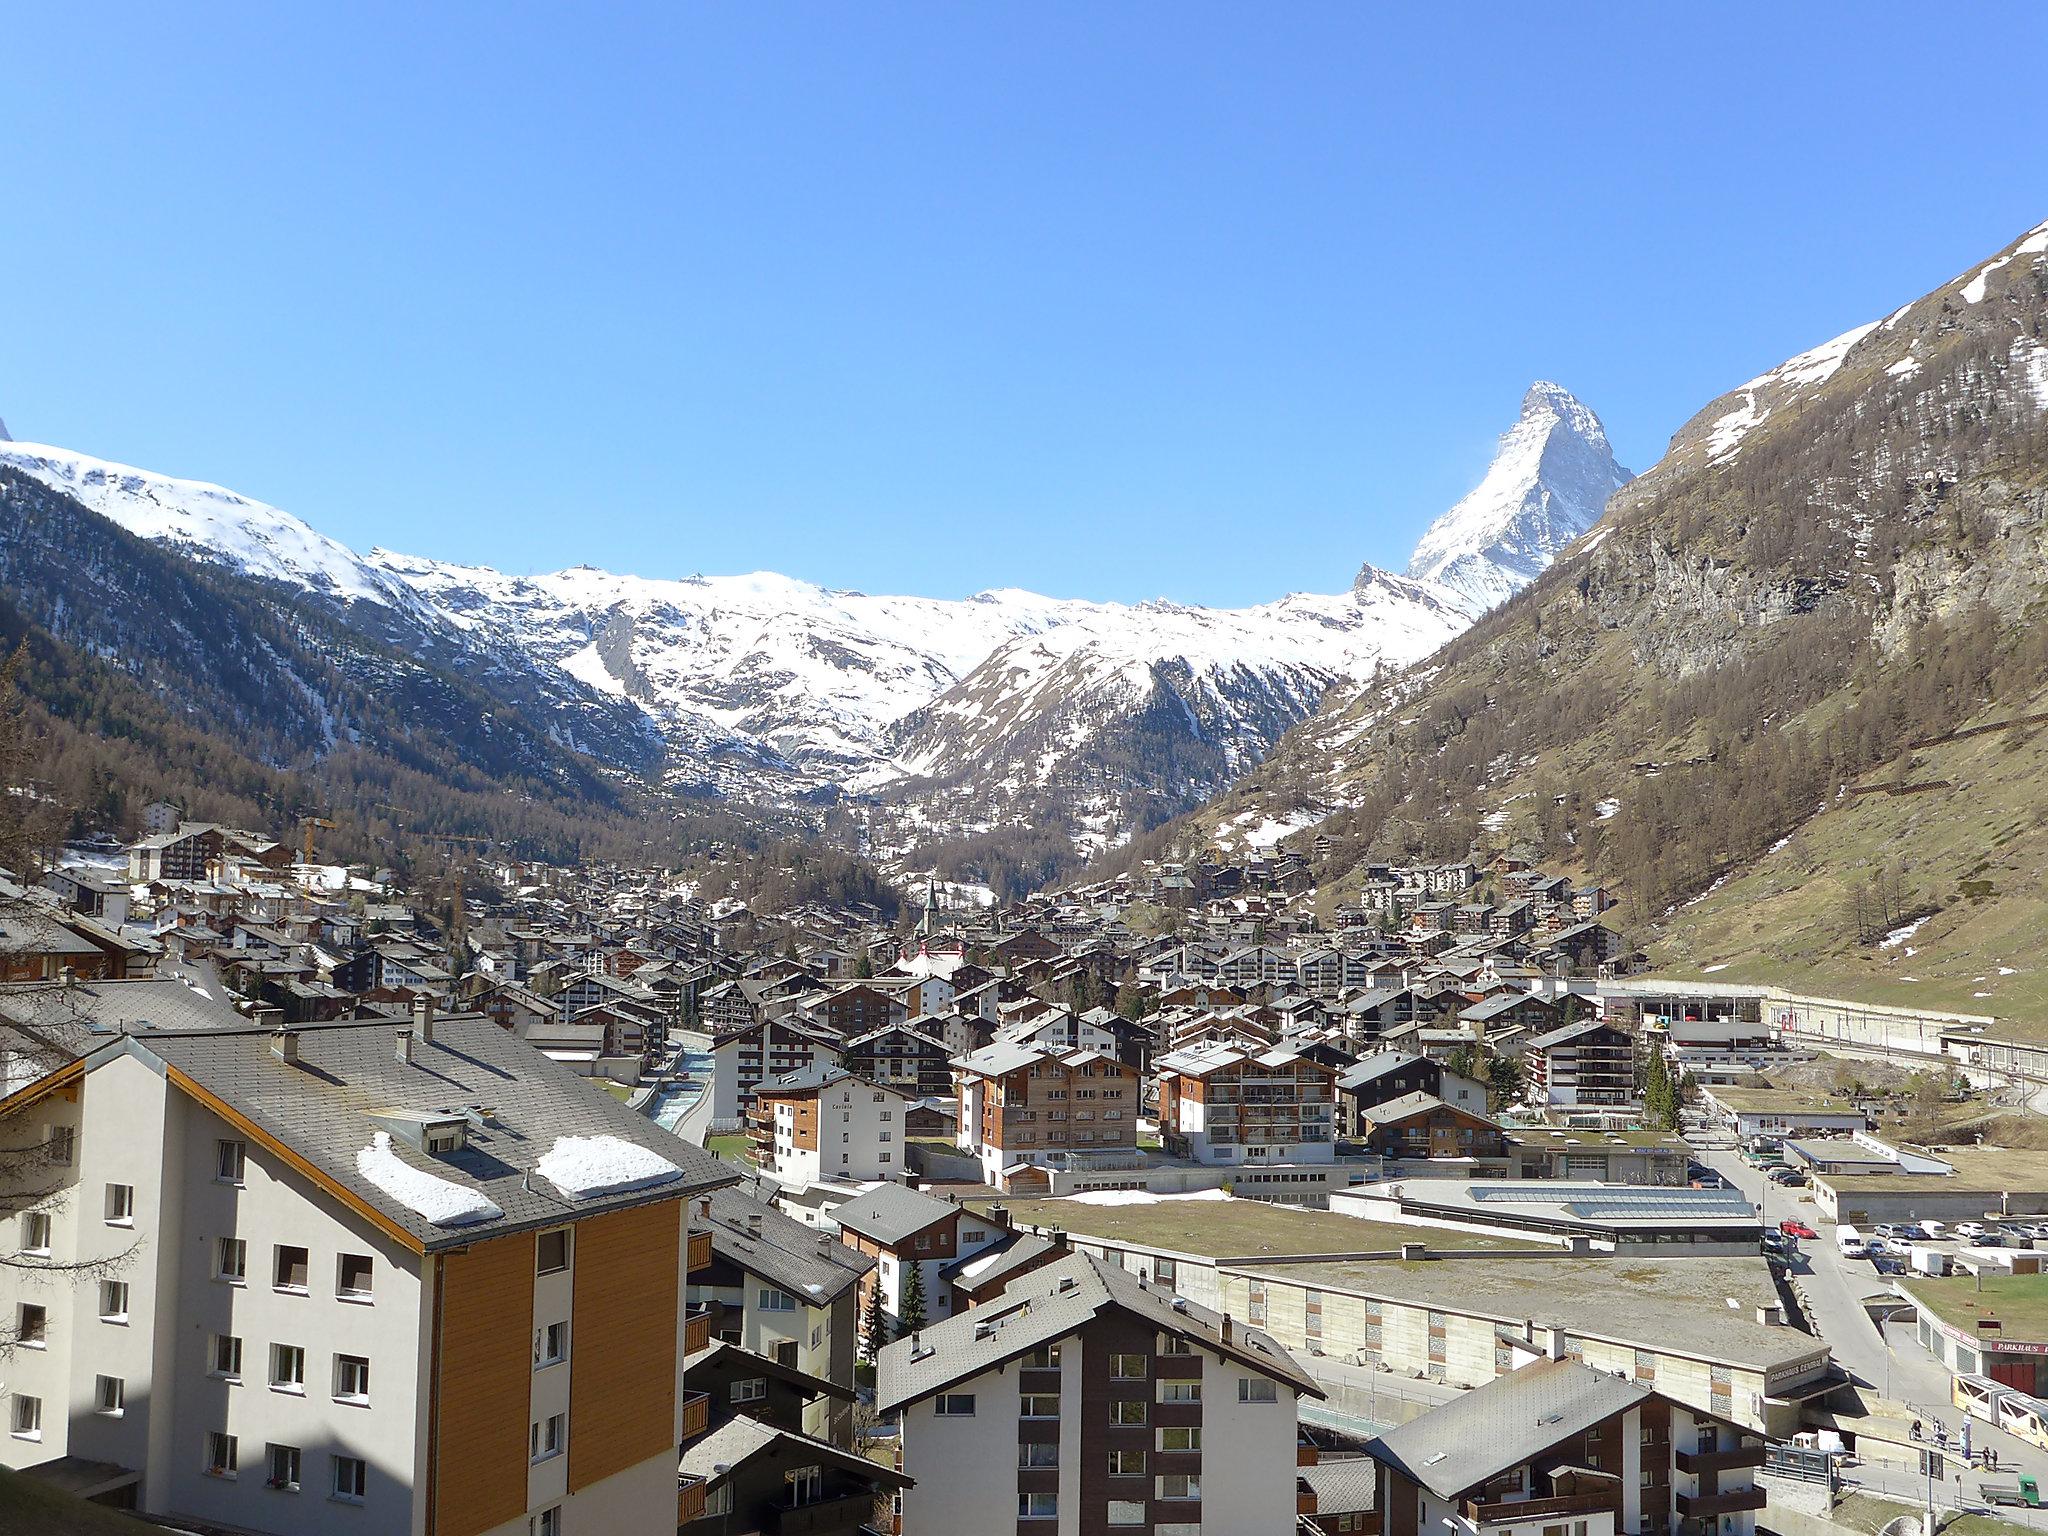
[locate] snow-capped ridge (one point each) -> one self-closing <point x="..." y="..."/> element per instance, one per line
<point x="1548" y="483"/>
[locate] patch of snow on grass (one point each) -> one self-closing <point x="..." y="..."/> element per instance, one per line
<point x="1708" y="970"/>
<point x="2006" y="970"/>
<point x="1145" y="1196"/>
<point x="442" y="1201"/>
<point x="1607" y="809"/>
<point x="1904" y="368"/>
<point x="1899" y="935"/>
<point x="582" y="1166"/>
<point x="2031" y="358"/>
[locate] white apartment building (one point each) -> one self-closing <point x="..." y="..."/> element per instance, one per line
<point x="822" y="1122"/>
<point x="1081" y="1399"/>
<point x="333" y="1280"/>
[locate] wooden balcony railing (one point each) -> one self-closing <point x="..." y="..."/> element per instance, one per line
<point x="826" y="1517"/>
<point x="1513" y="1511"/>
<point x="700" y="1251"/>
<point x="696" y="1414"/>
<point x="1728" y="1503"/>
<point x="1722" y="1461"/>
<point x="689" y="1499"/>
<point x="697" y="1330"/>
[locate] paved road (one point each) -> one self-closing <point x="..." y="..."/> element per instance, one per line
<point x="1891" y="1365"/>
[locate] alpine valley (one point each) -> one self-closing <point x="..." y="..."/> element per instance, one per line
<point x="1000" y="737"/>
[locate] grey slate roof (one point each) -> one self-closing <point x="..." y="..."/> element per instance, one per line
<point x="892" y="1213"/>
<point x="1503" y="1424"/>
<point x="1346" y="1485"/>
<point x="811" y="1265"/>
<point x="1047" y="1304"/>
<point x="324" y="1109"/>
<point x="737" y="1441"/>
<point x="1372" y="1068"/>
<point x="79" y="1015"/>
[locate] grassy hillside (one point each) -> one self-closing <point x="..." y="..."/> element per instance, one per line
<point x="1972" y="861"/>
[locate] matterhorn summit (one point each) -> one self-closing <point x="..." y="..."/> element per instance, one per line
<point x="1548" y="483"/>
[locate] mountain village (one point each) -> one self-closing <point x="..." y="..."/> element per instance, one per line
<point x="1546" y="1042"/>
<point x="606" y="1204"/>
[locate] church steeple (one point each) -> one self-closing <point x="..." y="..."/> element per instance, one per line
<point x="929" y="923"/>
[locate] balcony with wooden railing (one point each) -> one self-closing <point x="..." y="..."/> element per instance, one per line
<point x="1733" y="1501"/>
<point x="696" y="1414"/>
<point x="700" y="1251"/>
<point x="1514" y="1511"/>
<point x="825" y="1517"/>
<point x="696" y="1330"/>
<point x="689" y="1499"/>
<point x="1696" y="1462"/>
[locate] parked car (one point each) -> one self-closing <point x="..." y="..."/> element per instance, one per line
<point x="1886" y="1265"/>
<point x="1785" y="1176"/>
<point x="1888" y="1229"/>
<point x="1775" y="1242"/>
<point x="1969" y="1229"/>
<point x="1796" y="1229"/>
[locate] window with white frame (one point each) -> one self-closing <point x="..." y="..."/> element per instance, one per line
<point x="1126" y="1512"/>
<point x="546" y="1436"/>
<point x="113" y="1301"/>
<point x="35" y="1232"/>
<point x="287" y="1368"/>
<point x="230" y="1161"/>
<point x="1180" y="1391"/>
<point x="773" y="1300"/>
<point x="231" y="1260"/>
<point x="227" y="1356"/>
<point x="547" y="1523"/>
<point x="351" y="1475"/>
<point x="552" y="1251"/>
<point x="1180" y="1437"/>
<point x="1178" y="1485"/>
<point x="291" y="1268"/>
<point x="954" y="1405"/>
<point x="62" y="1145"/>
<point x="221" y="1454"/>
<point x="554" y="1344"/>
<point x="121" y="1205"/>
<point x="1038" y="1506"/>
<point x="351" y="1379"/>
<point x="32" y="1325"/>
<point x="284" y="1467"/>
<point x="28" y="1417"/>
<point x="749" y="1389"/>
<point x="1257" y="1389"/>
<point x="352" y="1276"/>
<point x="109" y="1396"/>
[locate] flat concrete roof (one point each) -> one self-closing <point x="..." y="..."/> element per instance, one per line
<point x="1679" y="1306"/>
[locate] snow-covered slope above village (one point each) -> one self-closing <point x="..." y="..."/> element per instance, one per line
<point x="1548" y="483"/>
<point x="943" y="719"/>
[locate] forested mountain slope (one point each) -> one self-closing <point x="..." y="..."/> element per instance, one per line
<point x="1843" y="556"/>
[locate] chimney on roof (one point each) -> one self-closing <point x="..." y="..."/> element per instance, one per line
<point x="284" y="1045"/>
<point x="1226" y="1327"/>
<point x="999" y="1215"/>
<point x="1058" y="1238"/>
<point x="1414" y="1253"/>
<point x="423" y="1019"/>
<point x="405" y="1046"/>
<point x="268" y="1018"/>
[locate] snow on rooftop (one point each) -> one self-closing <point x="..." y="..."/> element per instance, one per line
<point x="442" y="1201"/>
<point x="583" y="1166"/>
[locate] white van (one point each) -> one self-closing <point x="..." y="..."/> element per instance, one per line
<point x="1851" y="1243"/>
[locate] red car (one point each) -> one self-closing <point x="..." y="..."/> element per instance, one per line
<point x="1796" y="1229"/>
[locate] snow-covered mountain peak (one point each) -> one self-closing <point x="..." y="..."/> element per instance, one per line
<point x="4" y="438"/>
<point x="1548" y="483"/>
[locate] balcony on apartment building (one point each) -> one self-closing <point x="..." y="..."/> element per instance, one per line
<point x="1516" y="1511"/>
<point x="1733" y="1501"/>
<point x="1696" y="1462"/>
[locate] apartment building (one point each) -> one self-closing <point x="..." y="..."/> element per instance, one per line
<point x="1221" y="1102"/>
<point x="822" y="1122"/>
<point x="1589" y="1066"/>
<point x="902" y="1228"/>
<point x="352" y="1277"/>
<point x="785" y="1290"/>
<point x="1025" y="1108"/>
<point x="745" y="1057"/>
<point x="1558" y="1446"/>
<point x="1082" y="1399"/>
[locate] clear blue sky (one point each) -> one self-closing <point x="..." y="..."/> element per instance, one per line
<point x="1111" y="300"/>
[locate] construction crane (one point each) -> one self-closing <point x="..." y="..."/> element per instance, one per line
<point x="306" y="846"/>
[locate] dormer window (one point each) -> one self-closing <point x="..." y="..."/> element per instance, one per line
<point x="442" y="1139"/>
